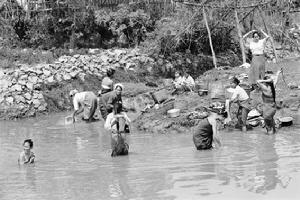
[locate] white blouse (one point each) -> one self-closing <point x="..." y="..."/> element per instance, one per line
<point x="257" y="48"/>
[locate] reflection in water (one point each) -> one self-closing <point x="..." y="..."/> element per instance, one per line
<point x="73" y="162"/>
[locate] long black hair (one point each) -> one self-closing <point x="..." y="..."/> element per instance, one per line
<point x="271" y="84"/>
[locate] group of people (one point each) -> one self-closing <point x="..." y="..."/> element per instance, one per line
<point x="206" y="132"/>
<point x="183" y="82"/>
<point x="109" y="101"/>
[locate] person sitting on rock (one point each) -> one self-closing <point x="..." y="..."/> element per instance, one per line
<point x="267" y="87"/>
<point x="240" y="97"/>
<point x="188" y="82"/>
<point x="27" y="156"/>
<point x="85" y="102"/>
<point x="178" y="81"/>
<point x="107" y="82"/>
<point x="206" y="132"/>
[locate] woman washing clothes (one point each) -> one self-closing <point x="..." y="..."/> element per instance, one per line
<point x="240" y="97"/>
<point x="267" y="87"/>
<point x="256" y="46"/>
<point x="206" y="133"/>
<point x="115" y="107"/>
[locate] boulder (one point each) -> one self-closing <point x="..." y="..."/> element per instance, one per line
<point x="66" y="77"/>
<point x="29" y="85"/>
<point x="9" y="100"/>
<point x="19" y="99"/>
<point x="33" y="79"/>
<point x="46" y="73"/>
<point x="27" y="96"/>
<point x="50" y="79"/>
<point x="4" y="84"/>
<point x="16" y="87"/>
<point x="36" y="103"/>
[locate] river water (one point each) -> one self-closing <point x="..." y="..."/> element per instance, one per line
<point x="73" y="162"/>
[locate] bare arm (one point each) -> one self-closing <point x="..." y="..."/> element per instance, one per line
<point x="76" y="112"/>
<point x="247" y="34"/>
<point x="275" y="78"/>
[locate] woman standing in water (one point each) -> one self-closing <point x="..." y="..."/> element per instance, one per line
<point x="257" y="46"/>
<point x="27" y="156"/>
<point x="206" y="132"/>
<point x="267" y="87"/>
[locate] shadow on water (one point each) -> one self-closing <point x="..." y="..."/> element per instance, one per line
<point x="73" y="162"/>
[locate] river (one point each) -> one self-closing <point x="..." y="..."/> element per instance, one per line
<point x="73" y="162"/>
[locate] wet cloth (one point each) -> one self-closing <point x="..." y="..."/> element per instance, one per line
<point x="111" y="117"/>
<point x="257" y="69"/>
<point x="203" y="135"/>
<point x="89" y="102"/>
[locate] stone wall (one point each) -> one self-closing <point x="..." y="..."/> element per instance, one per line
<point x="21" y="94"/>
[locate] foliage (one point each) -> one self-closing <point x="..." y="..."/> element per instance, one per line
<point x="127" y="26"/>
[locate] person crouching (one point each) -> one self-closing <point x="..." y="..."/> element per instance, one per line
<point x="206" y="133"/>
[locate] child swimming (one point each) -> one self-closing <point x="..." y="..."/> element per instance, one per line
<point x="26" y="156"/>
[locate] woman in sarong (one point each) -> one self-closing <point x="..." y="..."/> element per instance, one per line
<point x="267" y="87"/>
<point x="257" y="46"/>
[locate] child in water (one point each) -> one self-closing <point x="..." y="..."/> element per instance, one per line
<point x="27" y="156"/>
<point x="206" y="133"/>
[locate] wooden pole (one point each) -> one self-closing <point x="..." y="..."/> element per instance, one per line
<point x="240" y="35"/>
<point x="266" y="28"/>
<point x="209" y="37"/>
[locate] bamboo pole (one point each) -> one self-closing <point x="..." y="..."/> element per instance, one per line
<point x="240" y="35"/>
<point x="268" y="32"/>
<point x="209" y="37"/>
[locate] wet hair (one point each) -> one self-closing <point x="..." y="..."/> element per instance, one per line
<point x="118" y="86"/>
<point x="255" y="32"/>
<point x="110" y="72"/>
<point x="30" y="143"/>
<point x="235" y="80"/>
<point x="271" y="84"/>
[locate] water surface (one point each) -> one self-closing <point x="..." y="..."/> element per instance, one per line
<point x="73" y="162"/>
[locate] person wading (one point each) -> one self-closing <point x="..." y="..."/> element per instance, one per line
<point x="85" y="102"/>
<point x="107" y="82"/>
<point x="206" y="132"/>
<point x="256" y="46"/>
<point x="267" y="87"/>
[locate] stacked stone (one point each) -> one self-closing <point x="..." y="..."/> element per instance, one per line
<point x="20" y="89"/>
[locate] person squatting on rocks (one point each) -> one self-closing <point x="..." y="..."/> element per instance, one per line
<point x="206" y="132"/>
<point x="27" y="156"/>
<point x="256" y="46"/>
<point x="267" y="87"/>
<point x="85" y="102"/>
<point x="240" y="97"/>
<point x="114" y="106"/>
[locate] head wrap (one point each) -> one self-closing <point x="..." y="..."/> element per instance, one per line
<point x="118" y="85"/>
<point x="73" y="92"/>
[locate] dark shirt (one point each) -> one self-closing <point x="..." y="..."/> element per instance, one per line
<point x="203" y="135"/>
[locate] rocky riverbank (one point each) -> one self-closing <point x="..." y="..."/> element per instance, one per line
<point x="29" y="90"/>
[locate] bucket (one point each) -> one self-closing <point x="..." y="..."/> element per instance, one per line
<point x="286" y="121"/>
<point x="173" y="112"/>
<point x="68" y="120"/>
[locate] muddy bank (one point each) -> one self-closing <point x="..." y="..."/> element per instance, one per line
<point x="191" y="104"/>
